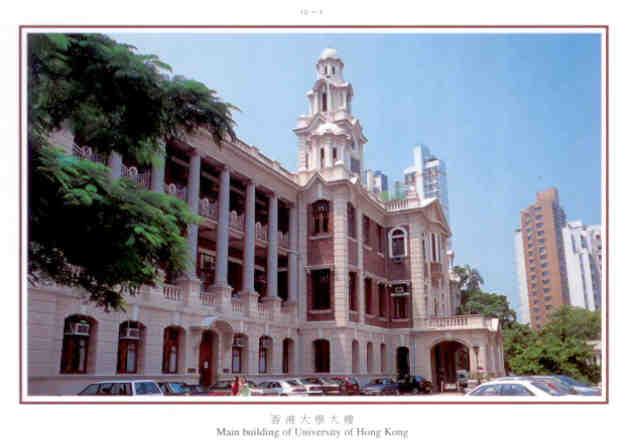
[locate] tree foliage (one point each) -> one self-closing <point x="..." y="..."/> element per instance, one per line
<point x="469" y="281"/>
<point x="559" y="348"/>
<point x="112" y="99"/>
<point x="489" y="305"/>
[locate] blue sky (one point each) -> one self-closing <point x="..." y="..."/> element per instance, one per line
<point x="510" y="114"/>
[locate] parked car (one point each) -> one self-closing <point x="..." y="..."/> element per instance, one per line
<point x="170" y="388"/>
<point x="122" y="388"/>
<point x="580" y="388"/>
<point x="330" y="386"/>
<point x="347" y="384"/>
<point x="551" y="381"/>
<point x="221" y="388"/>
<point x="313" y="386"/>
<point x="282" y="387"/>
<point x="198" y="390"/>
<point x="380" y="386"/>
<point x="414" y="384"/>
<point x="543" y="389"/>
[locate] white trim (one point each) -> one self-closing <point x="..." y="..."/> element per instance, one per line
<point x="389" y="239"/>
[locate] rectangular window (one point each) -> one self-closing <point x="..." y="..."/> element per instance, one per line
<point x="379" y="237"/>
<point x="382" y="300"/>
<point x="367" y="285"/>
<point x="352" y="285"/>
<point x="366" y="230"/>
<point x="352" y="224"/>
<point x="400" y="308"/>
<point x="236" y="359"/>
<point x="321" y="289"/>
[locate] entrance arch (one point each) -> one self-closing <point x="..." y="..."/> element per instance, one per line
<point x="208" y="349"/>
<point x="402" y="361"/>
<point x="447" y="359"/>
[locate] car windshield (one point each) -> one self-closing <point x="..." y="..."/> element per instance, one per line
<point x="379" y="381"/>
<point x="550" y="388"/>
<point x="89" y="390"/>
<point x="570" y="381"/>
<point x="293" y="383"/>
<point x="178" y="388"/>
<point x="312" y="381"/>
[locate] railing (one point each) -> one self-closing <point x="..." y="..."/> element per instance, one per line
<point x="141" y="178"/>
<point x="175" y="190"/>
<point x="283" y="239"/>
<point x="173" y="292"/>
<point x="399" y="204"/>
<point x="237" y="306"/>
<point x="236" y="221"/>
<point x="207" y="298"/>
<point x="455" y="322"/>
<point x="87" y="153"/>
<point x="208" y="209"/>
<point x="261" y="231"/>
<point x="264" y="312"/>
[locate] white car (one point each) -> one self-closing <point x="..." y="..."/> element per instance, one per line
<point x="122" y="388"/>
<point x="313" y="386"/>
<point x="519" y="388"/>
<point x="283" y="387"/>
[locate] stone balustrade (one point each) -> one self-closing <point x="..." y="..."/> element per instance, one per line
<point x="173" y="292"/>
<point x="237" y="306"/>
<point x="261" y="232"/>
<point x="463" y="322"/>
<point x="283" y="239"/>
<point x="401" y="204"/>
<point x="175" y="190"/>
<point x="207" y="299"/>
<point x="237" y="221"/>
<point x="208" y="209"/>
<point x="141" y="178"/>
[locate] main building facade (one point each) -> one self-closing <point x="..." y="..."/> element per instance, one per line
<point x="294" y="273"/>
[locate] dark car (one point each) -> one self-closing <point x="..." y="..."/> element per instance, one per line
<point x="578" y="387"/>
<point x="414" y="384"/>
<point x="198" y="390"/>
<point x="348" y="385"/>
<point x="221" y="388"/>
<point x="380" y="386"/>
<point x="174" y="388"/>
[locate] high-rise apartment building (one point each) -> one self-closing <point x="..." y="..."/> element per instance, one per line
<point x="428" y="176"/>
<point x="583" y="254"/>
<point x="541" y="262"/>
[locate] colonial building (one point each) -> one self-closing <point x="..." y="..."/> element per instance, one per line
<point x="294" y="273"/>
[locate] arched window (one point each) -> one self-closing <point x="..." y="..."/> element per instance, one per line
<point x="383" y="358"/>
<point x="129" y="343"/>
<point x="322" y="157"/>
<point x="398" y="242"/>
<point x="324" y="102"/>
<point x="264" y="354"/>
<point x="355" y="356"/>
<point x="321" y="353"/>
<point x="77" y="332"/>
<point x="334" y="154"/>
<point x="320" y="217"/>
<point x="287" y="355"/>
<point x="239" y="343"/>
<point x="370" y="357"/>
<point x="170" y="354"/>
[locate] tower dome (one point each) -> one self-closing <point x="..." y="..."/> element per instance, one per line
<point x="329" y="53"/>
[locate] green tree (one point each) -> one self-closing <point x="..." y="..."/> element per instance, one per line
<point x="559" y="348"/>
<point x="469" y="280"/>
<point x="113" y="99"/>
<point x="489" y="305"/>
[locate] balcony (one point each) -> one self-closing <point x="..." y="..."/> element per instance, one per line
<point x="261" y="232"/>
<point x="283" y="239"/>
<point x="463" y="322"/>
<point x="140" y="178"/>
<point x="175" y="190"/>
<point x="208" y="209"/>
<point x="237" y="221"/>
<point x="401" y="204"/>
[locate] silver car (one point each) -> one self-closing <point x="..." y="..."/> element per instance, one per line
<point x="283" y="387"/>
<point x="313" y="386"/>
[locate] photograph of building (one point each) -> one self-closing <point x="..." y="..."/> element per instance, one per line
<point x="293" y="273"/>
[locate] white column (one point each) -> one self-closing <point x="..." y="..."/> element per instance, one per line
<point x="360" y="284"/>
<point x="272" y="248"/>
<point x="221" y="265"/>
<point x="293" y="247"/>
<point x="250" y="238"/>
<point x="115" y="164"/>
<point x="194" y="178"/>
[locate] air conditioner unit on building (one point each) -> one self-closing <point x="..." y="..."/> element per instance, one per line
<point x="239" y="341"/>
<point x="79" y="329"/>
<point x="399" y="290"/>
<point x="397" y="259"/>
<point x="131" y="333"/>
